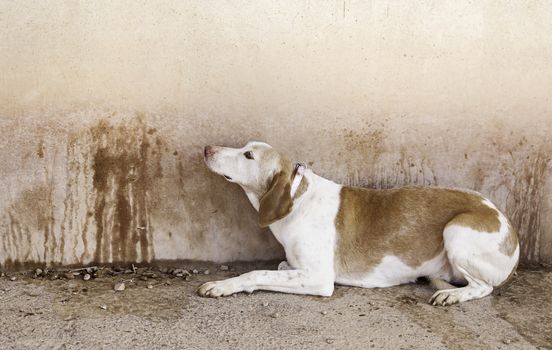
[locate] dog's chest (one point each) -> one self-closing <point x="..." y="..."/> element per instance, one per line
<point x="308" y="233"/>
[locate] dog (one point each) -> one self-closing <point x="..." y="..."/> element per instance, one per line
<point x="336" y="234"/>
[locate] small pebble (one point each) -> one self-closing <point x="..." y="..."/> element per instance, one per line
<point x="150" y="286"/>
<point x="119" y="286"/>
<point x="195" y="272"/>
<point x="103" y="307"/>
<point x="265" y="304"/>
<point x="275" y="315"/>
<point x="13" y="278"/>
<point x="506" y="341"/>
<point x="144" y="278"/>
<point x="38" y="272"/>
<point x="206" y="272"/>
<point x="86" y="277"/>
<point x="330" y="340"/>
<point x="128" y="271"/>
<point x="69" y="275"/>
<point x="223" y="268"/>
<point x="324" y="312"/>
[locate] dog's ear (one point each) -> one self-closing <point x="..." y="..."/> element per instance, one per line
<point x="276" y="202"/>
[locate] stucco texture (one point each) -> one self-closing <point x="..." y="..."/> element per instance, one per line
<point x="105" y="108"/>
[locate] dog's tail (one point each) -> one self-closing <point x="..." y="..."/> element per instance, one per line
<point x="438" y="284"/>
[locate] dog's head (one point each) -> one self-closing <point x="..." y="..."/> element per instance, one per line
<point x="260" y="170"/>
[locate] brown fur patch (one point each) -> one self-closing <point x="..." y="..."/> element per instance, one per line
<point x="484" y="220"/>
<point x="407" y="222"/>
<point x="510" y="243"/>
<point x="276" y="202"/>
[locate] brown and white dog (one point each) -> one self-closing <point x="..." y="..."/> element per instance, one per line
<point x="363" y="237"/>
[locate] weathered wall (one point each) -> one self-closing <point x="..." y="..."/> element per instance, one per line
<point x="105" y="107"/>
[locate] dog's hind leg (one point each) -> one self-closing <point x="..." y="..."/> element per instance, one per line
<point x="484" y="258"/>
<point x="439" y="284"/>
<point x="475" y="289"/>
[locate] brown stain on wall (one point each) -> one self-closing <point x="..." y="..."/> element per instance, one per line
<point x="30" y="214"/>
<point x="79" y="199"/>
<point x="526" y="205"/>
<point x="110" y="170"/>
<point x="366" y="142"/>
<point x="40" y="149"/>
<point x="374" y="164"/>
<point x="124" y="164"/>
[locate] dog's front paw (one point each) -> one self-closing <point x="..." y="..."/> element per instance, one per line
<point x="216" y="289"/>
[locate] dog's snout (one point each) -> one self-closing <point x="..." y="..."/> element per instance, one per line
<point x="208" y="151"/>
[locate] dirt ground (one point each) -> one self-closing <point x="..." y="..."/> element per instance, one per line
<point x="160" y="310"/>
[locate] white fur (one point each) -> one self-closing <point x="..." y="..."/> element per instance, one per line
<point x="308" y="235"/>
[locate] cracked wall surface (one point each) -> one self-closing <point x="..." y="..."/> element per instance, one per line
<point x="105" y="109"/>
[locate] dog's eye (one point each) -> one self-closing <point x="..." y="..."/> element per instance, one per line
<point x="248" y="155"/>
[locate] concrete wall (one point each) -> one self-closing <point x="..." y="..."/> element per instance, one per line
<point x="105" y="107"/>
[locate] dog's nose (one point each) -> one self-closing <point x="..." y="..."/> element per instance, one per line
<point x="208" y="151"/>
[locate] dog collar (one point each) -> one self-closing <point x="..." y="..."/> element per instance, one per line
<point x="299" y="172"/>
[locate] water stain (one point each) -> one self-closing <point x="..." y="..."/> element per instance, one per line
<point x="110" y="172"/>
<point x="40" y="149"/>
<point x="373" y="163"/>
<point x="526" y="206"/>
<point x="369" y="143"/>
<point x="124" y="163"/>
<point x="28" y="222"/>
